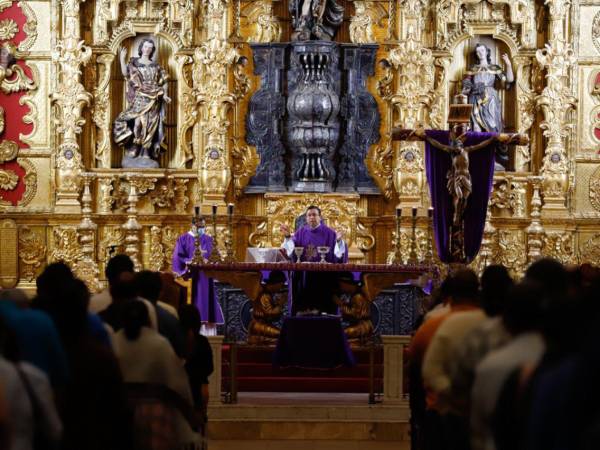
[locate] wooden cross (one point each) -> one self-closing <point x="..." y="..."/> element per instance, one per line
<point x="458" y="177"/>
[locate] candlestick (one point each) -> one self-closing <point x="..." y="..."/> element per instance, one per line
<point x="229" y="253"/>
<point x="429" y="256"/>
<point x="397" y="251"/>
<point x="413" y="258"/>
<point x="215" y="256"/>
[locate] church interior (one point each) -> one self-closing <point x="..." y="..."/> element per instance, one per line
<point x="312" y="185"/>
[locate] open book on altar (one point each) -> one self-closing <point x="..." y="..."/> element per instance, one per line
<point x="265" y="255"/>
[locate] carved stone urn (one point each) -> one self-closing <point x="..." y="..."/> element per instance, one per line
<point x="313" y="107"/>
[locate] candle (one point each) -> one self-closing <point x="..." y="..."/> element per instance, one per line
<point x="414" y="211"/>
<point x="230" y="209"/>
<point x="214" y="210"/>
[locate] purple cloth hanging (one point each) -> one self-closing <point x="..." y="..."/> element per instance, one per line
<point x="313" y="342"/>
<point x="481" y="168"/>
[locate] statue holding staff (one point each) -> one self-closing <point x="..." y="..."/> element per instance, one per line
<point x="140" y="127"/>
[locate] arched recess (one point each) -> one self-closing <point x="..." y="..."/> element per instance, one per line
<point x="109" y="92"/>
<point x="461" y="51"/>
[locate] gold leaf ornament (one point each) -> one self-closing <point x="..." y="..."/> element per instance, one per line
<point x="8" y="151"/>
<point x="8" y="29"/>
<point x="8" y="180"/>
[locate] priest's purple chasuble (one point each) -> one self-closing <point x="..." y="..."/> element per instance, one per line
<point x="203" y="292"/>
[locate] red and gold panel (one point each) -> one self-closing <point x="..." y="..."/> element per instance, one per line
<point x="14" y="85"/>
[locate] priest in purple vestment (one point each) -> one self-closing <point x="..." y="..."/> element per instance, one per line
<point x="313" y="291"/>
<point x="203" y="292"/>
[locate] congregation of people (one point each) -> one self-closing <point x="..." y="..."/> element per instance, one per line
<point x="124" y="369"/>
<point x="501" y="364"/>
<point x="495" y="363"/>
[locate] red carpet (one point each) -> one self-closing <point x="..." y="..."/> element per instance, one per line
<point x="255" y="373"/>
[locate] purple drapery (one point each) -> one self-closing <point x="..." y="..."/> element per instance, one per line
<point x="481" y="168"/>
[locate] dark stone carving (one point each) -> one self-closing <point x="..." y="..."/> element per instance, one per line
<point x="265" y="113"/>
<point x="299" y="97"/>
<point x="313" y="106"/>
<point x="393" y="312"/>
<point x="359" y="108"/>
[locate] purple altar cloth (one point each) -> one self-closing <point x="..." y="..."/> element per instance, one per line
<point x="481" y="168"/>
<point x="313" y="342"/>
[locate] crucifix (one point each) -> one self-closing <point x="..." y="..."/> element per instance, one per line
<point x="459" y="191"/>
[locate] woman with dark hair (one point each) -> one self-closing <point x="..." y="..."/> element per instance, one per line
<point x="93" y="406"/>
<point x="480" y="85"/>
<point x="140" y="128"/>
<point x="199" y="358"/>
<point x="156" y="376"/>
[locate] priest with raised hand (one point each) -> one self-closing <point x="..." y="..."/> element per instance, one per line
<point x="203" y="292"/>
<point x="312" y="292"/>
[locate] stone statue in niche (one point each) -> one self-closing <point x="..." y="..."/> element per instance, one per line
<point x="315" y="19"/>
<point x="139" y="129"/>
<point x="480" y="84"/>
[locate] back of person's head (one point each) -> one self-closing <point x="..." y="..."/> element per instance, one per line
<point x="123" y="288"/>
<point x="148" y="285"/>
<point x="189" y="318"/>
<point x="52" y="279"/>
<point x="551" y="275"/>
<point x="70" y="313"/>
<point x="559" y="311"/>
<point x="116" y="266"/>
<point x="523" y="307"/>
<point x="463" y="287"/>
<point x="134" y="316"/>
<point x="495" y="283"/>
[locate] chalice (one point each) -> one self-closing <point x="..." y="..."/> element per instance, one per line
<point x="298" y="251"/>
<point x="323" y="250"/>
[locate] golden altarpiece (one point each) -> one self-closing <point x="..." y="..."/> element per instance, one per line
<point x="64" y="195"/>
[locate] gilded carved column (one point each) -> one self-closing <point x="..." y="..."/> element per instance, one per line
<point x="486" y="254"/>
<point x="558" y="10"/>
<point x="86" y="266"/>
<point x="102" y="111"/>
<point x="524" y="68"/>
<point x="215" y="97"/>
<point x="186" y="110"/>
<point x="556" y="103"/>
<point x="411" y="100"/>
<point x="412" y="13"/>
<point x="69" y="97"/>
<point x="535" y="231"/>
<point x="132" y="227"/>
